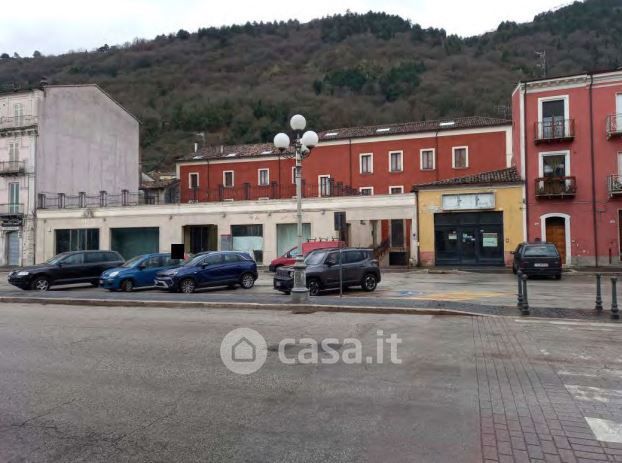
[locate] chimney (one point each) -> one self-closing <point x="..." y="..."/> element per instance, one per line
<point x="196" y="147"/>
<point x="222" y="149"/>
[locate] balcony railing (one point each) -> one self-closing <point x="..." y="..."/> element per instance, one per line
<point x="103" y="199"/>
<point x="614" y="125"/>
<point x="247" y="192"/>
<point x="556" y="187"/>
<point x="11" y="209"/>
<point x="12" y="167"/>
<point x="20" y="122"/>
<point x="554" y="130"/>
<point x="614" y="185"/>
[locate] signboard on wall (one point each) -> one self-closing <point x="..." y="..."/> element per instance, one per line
<point x="469" y="201"/>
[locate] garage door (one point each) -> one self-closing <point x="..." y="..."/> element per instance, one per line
<point x="12" y="248"/>
<point x="131" y="242"/>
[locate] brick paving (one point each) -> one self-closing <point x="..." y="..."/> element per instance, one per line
<point x="537" y="386"/>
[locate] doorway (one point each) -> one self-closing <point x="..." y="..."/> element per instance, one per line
<point x="12" y="248"/>
<point x="200" y="238"/>
<point x="556" y="234"/>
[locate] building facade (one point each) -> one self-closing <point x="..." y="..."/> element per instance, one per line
<point x="472" y="220"/>
<point x="60" y="146"/>
<point x="567" y="135"/>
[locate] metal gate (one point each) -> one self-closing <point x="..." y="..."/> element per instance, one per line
<point x="12" y="248"/>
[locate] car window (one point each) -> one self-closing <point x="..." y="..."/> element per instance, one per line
<point x="230" y="258"/>
<point x="333" y="258"/>
<point x="111" y="256"/>
<point x="212" y="259"/>
<point x="350" y="257"/>
<point x="73" y="259"/>
<point x="153" y="262"/>
<point x="315" y="258"/>
<point x="168" y="262"/>
<point x="541" y="251"/>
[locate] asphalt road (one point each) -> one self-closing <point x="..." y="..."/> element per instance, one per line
<point x="148" y="384"/>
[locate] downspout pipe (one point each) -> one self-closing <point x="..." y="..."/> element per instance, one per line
<point x="350" y="156"/>
<point x="415" y="191"/>
<point x="593" y="163"/>
<point x="524" y="122"/>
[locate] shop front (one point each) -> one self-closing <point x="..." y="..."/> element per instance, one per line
<point x="470" y="221"/>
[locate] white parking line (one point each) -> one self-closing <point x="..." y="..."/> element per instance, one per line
<point x="595" y="394"/>
<point x="606" y="430"/>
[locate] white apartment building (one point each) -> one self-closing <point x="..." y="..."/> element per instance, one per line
<point x="59" y="143"/>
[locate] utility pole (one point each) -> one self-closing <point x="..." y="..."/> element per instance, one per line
<point x="542" y="62"/>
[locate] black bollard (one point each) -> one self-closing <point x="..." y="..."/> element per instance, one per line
<point x="519" y="301"/>
<point x="599" y="300"/>
<point x="615" y="312"/>
<point x="525" y="307"/>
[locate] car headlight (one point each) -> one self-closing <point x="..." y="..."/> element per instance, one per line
<point x="113" y="274"/>
<point x="23" y="273"/>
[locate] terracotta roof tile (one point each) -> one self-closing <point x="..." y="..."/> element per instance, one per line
<point x="231" y="152"/>
<point x="503" y="176"/>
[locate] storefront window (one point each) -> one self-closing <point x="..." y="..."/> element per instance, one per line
<point x="83" y="239"/>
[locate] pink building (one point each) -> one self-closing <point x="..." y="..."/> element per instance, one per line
<point x="567" y="136"/>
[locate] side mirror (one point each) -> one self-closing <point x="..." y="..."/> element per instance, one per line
<point x="330" y="263"/>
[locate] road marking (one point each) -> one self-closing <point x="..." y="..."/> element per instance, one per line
<point x="595" y="394"/>
<point x="606" y="430"/>
<point x="578" y="323"/>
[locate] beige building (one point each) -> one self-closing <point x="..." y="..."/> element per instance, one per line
<point x="267" y="228"/>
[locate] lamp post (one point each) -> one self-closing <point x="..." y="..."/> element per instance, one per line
<point x="303" y="143"/>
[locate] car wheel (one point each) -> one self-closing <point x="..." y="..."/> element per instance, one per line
<point x="247" y="281"/>
<point x="127" y="286"/>
<point x="40" y="284"/>
<point x="369" y="282"/>
<point x="558" y="276"/>
<point x="314" y="287"/>
<point x="187" y="286"/>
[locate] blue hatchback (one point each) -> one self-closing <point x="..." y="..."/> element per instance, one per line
<point x="225" y="268"/>
<point x="138" y="272"/>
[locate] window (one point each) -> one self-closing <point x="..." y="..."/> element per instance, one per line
<point x="324" y="185"/>
<point x="18" y="109"/>
<point x="366" y="163"/>
<point x="232" y="258"/>
<point x="227" y="178"/>
<point x="194" y="180"/>
<point x="366" y="190"/>
<point x="397" y="233"/>
<point x="333" y="258"/>
<point x="396" y="190"/>
<point x="350" y="257"/>
<point x="80" y="239"/>
<point x="395" y="161"/>
<point x="263" y="177"/>
<point x="427" y="159"/>
<point x="460" y="158"/>
<point x="153" y="262"/>
<point x="13" y="151"/>
<point x="14" y="197"/>
<point x="554" y="165"/>
<point x="95" y="257"/>
<point x="553" y="117"/>
<point x="74" y="259"/>
<point x="213" y="259"/>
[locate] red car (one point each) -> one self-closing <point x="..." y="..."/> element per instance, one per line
<point x="289" y="258"/>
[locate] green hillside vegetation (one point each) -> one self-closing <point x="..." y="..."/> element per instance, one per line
<point x="240" y="84"/>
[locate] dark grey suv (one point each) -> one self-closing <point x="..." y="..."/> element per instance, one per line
<point x="359" y="268"/>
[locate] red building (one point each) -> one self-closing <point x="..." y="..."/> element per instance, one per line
<point x="385" y="159"/>
<point x="567" y="136"/>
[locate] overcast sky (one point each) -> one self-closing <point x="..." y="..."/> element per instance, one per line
<point x="56" y="26"/>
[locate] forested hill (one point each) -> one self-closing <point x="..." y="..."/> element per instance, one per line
<point x="239" y="84"/>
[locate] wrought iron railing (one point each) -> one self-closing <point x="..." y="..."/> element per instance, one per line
<point x="614" y="185"/>
<point x="556" y="187"/>
<point x="11" y="209"/>
<point x="554" y="129"/>
<point x="103" y="199"/>
<point x="12" y="167"/>
<point x="614" y="125"/>
<point x="8" y="123"/>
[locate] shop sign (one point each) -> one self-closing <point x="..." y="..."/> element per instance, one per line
<point x="490" y="240"/>
<point x="468" y="201"/>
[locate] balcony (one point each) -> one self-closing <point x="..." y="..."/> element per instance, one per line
<point x="247" y="192"/>
<point x="614" y="125"/>
<point x="614" y="185"/>
<point x="556" y="187"/>
<point x="554" y="131"/>
<point x="21" y="123"/>
<point x="12" y="167"/>
<point x="11" y="210"/>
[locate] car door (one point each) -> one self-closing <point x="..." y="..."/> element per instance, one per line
<point x="71" y="269"/>
<point x="147" y="270"/>
<point x="331" y="270"/>
<point x="210" y="271"/>
<point x="352" y="266"/>
<point x="95" y="263"/>
<point x="233" y="267"/>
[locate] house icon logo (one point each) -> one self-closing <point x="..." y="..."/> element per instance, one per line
<point x="243" y="351"/>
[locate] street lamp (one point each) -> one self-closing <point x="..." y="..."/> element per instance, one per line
<point x="303" y="143"/>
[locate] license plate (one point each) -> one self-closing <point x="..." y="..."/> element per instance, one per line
<point x="277" y="284"/>
<point x="540" y="265"/>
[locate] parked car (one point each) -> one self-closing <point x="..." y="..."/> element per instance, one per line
<point x="537" y="259"/>
<point x="289" y="258"/>
<point x="139" y="272"/>
<point x="224" y="268"/>
<point x="66" y="268"/>
<point x="359" y="268"/>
